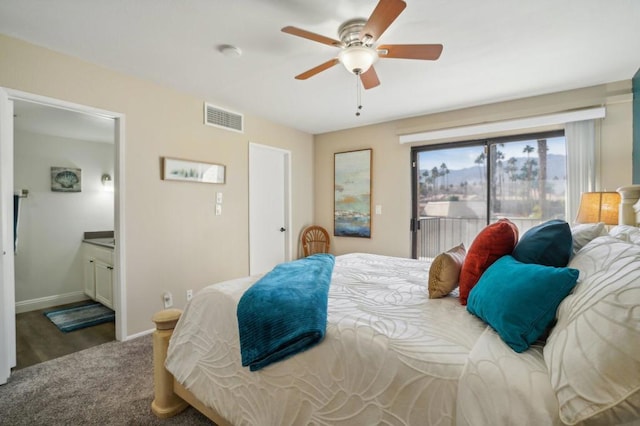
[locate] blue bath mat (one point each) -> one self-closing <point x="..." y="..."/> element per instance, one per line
<point x="77" y="317"/>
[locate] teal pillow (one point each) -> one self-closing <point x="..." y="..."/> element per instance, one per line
<point x="519" y="300"/>
<point x="549" y="244"/>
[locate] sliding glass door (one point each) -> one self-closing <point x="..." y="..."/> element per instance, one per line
<point x="459" y="188"/>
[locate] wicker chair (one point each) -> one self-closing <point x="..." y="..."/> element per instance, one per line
<point x="315" y="239"/>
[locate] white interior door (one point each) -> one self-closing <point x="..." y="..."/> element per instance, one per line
<point x="7" y="290"/>
<point x="269" y="205"/>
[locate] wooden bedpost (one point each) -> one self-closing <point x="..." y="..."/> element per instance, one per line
<point x="166" y="403"/>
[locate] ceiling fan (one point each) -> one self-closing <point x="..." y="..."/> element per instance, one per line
<point x="357" y="43"/>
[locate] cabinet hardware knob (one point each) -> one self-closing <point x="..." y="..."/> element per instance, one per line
<point x="283" y="229"/>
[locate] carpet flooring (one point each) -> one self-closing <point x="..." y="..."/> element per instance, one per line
<point x="109" y="384"/>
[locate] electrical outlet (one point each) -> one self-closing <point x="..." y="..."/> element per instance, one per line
<point x="167" y="299"/>
<point x="218" y="209"/>
<point x="189" y="295"/>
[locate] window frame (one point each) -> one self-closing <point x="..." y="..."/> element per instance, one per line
<point x="486" y="142"/>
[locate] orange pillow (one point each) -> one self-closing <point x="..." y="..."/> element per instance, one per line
<point x="493" y="242"/>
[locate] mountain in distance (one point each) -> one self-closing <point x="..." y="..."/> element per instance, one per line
<point x="556" y="169"/>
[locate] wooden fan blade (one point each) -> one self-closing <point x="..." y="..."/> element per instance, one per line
<point x="383" y="15"/>
<point x="313" y="71"/>
<point x="410" y="51"/>
<point x="370" y="78"/>
<point x="311" y="36"/>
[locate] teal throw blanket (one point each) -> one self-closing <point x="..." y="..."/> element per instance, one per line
<point x="285" y="312"/>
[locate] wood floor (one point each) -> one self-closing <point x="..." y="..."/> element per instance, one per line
<point x="38" y="339"/>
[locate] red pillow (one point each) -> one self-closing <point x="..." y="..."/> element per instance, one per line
<point x="493" y="242"/>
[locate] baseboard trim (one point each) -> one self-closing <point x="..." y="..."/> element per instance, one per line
<point x="49" y="301"/>
<point x="142" y="333"/>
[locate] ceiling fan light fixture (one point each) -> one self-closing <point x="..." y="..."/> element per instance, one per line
<point x="358" y="59"/>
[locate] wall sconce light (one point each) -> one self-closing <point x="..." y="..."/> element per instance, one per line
<point x="107" y="182"/>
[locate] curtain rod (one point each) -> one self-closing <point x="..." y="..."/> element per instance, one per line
<point x="501" y="126"/>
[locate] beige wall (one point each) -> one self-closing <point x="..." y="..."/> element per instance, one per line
<point x="391" y="169"/>
<point x="174" y="241"/>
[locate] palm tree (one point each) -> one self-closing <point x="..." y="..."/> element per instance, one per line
<point x="426" y="178"/>
<point x="511" y="170"/>
<point x="529" y="175"/>
<point x="496" y="178"/>
<point x="434" y="175"/>
<point x="528" y="169"/>
<point x="542" y="178"/>
<point x="480" y="160"/>
<point x="444" y="171"/>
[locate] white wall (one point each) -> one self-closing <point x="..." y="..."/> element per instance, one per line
<point x="48" y="263"/>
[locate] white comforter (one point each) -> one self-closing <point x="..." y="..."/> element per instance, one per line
<point x="390" y="356"/>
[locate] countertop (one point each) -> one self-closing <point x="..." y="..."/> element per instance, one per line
<point x="100" y="238"/>
<point x="103" y="242"/>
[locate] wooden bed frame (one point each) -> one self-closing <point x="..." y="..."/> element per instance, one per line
<point x="171" y="398"/>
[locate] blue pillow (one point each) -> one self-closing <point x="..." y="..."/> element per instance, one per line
<point x="519" y="300"/>
<point x="549" y="244"/>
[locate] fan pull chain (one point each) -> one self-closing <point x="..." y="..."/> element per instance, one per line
<point x="358" y="96"/>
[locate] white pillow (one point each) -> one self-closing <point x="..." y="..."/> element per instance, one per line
<point x="626" y="233"/>
<point x="593" y="352"/>
<point x="586" y="232"/>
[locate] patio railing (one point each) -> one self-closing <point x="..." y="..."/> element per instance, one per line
<point x="438" y="234"/>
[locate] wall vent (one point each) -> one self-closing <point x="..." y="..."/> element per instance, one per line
<point x="218" y="117"/>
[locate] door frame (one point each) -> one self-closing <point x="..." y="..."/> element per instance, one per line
<point x="288" y="244"/>
<point x="7" y="279"/>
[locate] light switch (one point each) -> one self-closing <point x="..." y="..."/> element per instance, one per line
<point x="378" y="208"/>
<point x="218" y="209"/>
<point x="218" y="197"/>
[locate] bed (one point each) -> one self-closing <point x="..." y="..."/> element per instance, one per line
<point x="393" y="355"/>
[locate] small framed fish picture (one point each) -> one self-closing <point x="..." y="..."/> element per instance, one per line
<point x="66" y="179"/>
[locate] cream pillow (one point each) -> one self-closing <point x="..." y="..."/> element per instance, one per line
<point x="586" y="232"/>
<point x="593" y="352"/>
<point x="445" y="271"/>
<point x="626" y="233"/>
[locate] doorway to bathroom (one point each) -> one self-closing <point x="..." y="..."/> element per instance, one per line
<point x="45" y="267"/>
<point x="62" y="177"/>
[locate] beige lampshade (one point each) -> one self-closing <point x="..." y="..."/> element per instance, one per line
<point x="598" y="207"/>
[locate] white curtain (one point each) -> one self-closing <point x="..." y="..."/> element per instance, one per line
<point x="580" y="138"/>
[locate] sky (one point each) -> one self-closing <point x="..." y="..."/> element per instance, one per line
<point x="460" y="158"/>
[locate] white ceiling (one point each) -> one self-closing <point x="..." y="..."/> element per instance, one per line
<point x="46" y="120"/>
<point x="494" y="50"/>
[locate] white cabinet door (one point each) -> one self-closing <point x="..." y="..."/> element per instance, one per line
<point x="104" y="283"/>
<point x="98" y="273"/>
<point x="89" y="277"/>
